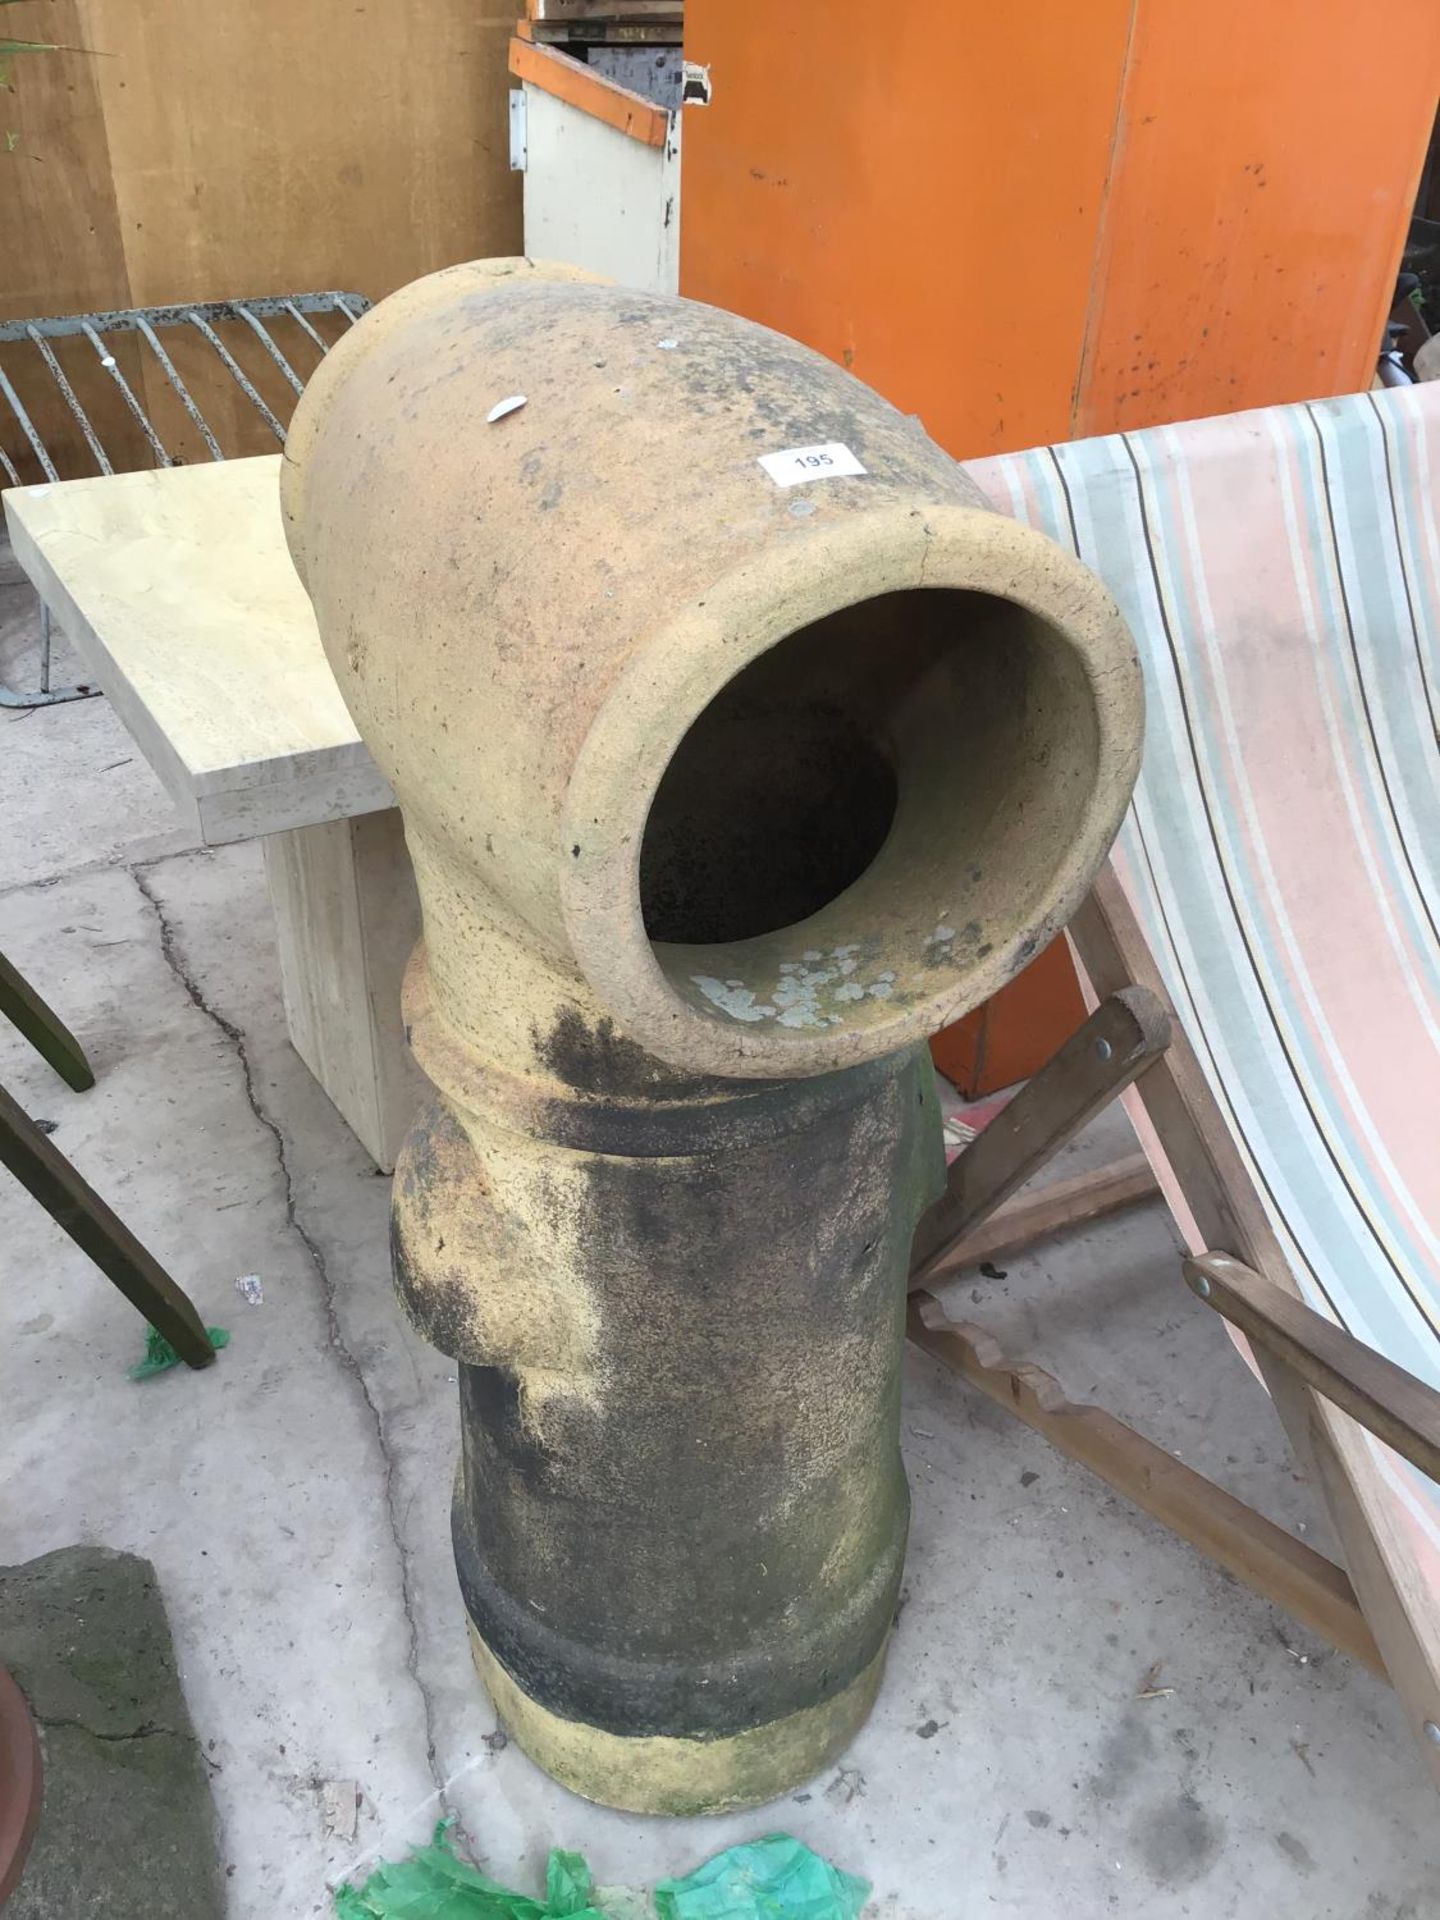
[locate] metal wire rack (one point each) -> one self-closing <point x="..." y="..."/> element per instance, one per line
<point x="119" y="429"/>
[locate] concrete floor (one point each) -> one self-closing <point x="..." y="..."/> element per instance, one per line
<point x="294" y="1498"/>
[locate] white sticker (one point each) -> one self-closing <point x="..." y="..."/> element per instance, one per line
<point x="830" y="462"/>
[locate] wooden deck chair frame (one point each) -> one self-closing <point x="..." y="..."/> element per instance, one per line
<point x="1322" y="1380"/>
<point x="72" y="1203"/>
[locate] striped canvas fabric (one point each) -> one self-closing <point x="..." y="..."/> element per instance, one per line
<point x="1280" y="571"/>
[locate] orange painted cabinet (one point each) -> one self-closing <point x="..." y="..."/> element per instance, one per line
<point x="1037" y="222"/>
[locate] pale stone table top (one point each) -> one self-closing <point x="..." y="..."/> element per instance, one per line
<point x="176" y="589"/>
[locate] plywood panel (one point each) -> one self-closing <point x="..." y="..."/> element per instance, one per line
<point x="59" y="237"/>
<point x="59" y="232"/>
<point x="244" y="147"/>
<point x="259" y="146"/>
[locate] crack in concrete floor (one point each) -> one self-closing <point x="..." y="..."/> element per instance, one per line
<point x="175" y="960"/>
<point x="79" y="1726"/>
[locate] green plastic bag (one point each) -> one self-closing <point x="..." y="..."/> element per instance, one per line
<point x="568" y="1888"/>
<point x="434" y="1885"/>
<point x="160" y="1356"/>
<point x="772" y="1879"/>
<point x="776" y="1878"/>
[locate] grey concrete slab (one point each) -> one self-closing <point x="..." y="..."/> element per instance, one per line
<point x="126" y="1826"/>
<point x="294" y="1501"/>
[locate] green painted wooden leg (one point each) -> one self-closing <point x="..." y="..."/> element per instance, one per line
<point x="70" y="1201"/>
<point x="50" y="1037"/>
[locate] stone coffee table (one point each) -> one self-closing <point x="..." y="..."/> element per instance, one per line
<point x="175" y="588"/>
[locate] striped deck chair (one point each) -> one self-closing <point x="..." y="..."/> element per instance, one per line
<point x="1264" y="948"/>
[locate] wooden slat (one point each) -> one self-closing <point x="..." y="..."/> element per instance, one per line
<point x="60" y="233"/>
<point x="1119" y="1040"/>
<point x="598" y="12"/>
<point x="228" y="160"/>
<point x="74" y="1205"/>
<point x="242" y="165"/>
<point x="1113" y="952"/>
<point x="603" y="99"/>
<point x="1386" y="1400"/>
<point x="1035" y="1216"/>
<point x="43" y="1028"/>
<point x="1398" y="1600"/>
<point x="1267" y="1558"/>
